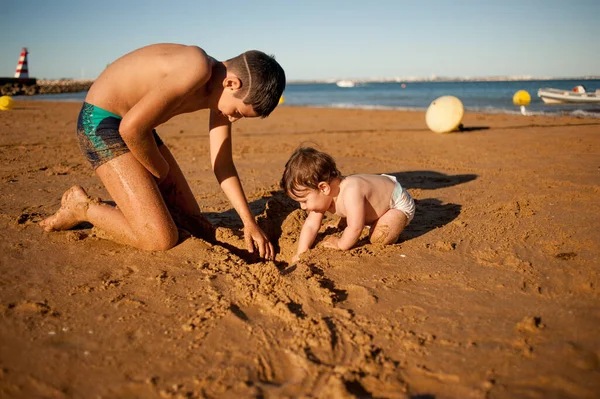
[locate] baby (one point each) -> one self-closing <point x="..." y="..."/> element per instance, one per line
<point x="379" y="201"/>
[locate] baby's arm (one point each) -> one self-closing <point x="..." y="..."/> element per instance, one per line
<point x="227" y="175"/>
<point x="354" y="202"/>
<point x="309" y="232"/>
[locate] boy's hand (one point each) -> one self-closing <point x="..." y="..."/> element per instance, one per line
<point x="257" y="239"/>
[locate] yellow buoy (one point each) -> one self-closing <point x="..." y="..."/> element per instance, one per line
<point x="6" y="103"/>
<point x="444" y="114"/>
<point x="521" y="98"/>
<point x="281" y="100"/>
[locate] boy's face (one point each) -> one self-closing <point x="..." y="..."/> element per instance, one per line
<point x="232" y="107"/>
<point x="314" y="200"/>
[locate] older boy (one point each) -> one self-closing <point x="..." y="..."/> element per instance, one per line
<point x="379" y="201"/>
<point x="138" y="92"/>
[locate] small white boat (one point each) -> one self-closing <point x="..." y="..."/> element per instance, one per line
<point x="578" y="96"/>
<point x="345" y="83"/>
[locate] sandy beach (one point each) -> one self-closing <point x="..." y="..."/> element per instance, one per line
<point x="491" y="292"/>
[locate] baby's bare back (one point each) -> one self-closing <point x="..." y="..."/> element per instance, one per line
<point x="377" y="191"/>
<point x="125" y="81"/>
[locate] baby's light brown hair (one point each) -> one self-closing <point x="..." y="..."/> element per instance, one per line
<point x="306" y="168"/>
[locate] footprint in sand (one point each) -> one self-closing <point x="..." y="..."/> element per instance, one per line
<point x="28" y="217"/>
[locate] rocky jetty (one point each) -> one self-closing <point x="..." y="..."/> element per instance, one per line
<point x="20" y="88"/>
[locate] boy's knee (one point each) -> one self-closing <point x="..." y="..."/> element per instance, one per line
<point x="161" y="240"/>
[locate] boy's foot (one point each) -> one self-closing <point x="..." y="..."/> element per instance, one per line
<point x="73" y="208"/>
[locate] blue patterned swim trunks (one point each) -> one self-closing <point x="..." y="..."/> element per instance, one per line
<point x="99" y="137"/>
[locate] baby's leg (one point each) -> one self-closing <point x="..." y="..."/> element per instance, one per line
<point x="388" y="227"/>
<point x="141" y="218"/>
<point x="181" y="201"/>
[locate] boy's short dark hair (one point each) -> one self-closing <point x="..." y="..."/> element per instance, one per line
<point x="263" y="80"/>
<point x="307" y="167"/>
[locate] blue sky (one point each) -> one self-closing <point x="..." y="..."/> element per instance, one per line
<point x="314" y="39"/>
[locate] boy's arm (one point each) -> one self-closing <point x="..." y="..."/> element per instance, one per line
<point x="354" y="202"/>
<point x="309" y="232"/>
<point x="222" y="163"/>
<point x="158" y="105"/>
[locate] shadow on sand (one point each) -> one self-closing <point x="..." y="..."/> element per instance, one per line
<point x="430" y="213"/>
<point x="429" y="180"/>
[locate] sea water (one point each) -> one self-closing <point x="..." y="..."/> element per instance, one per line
<point x="476" y="96"/>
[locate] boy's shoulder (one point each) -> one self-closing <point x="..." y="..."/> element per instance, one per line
<point x="190" y="63"/>
<point x="195" y="51"/>
<point x="176" y="53"/>
<point x="191" y="54"/>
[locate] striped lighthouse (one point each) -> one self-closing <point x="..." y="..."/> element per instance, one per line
<point x="22" y="72"/>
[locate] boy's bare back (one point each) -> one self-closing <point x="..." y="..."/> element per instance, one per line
<point x="179" y="70"/>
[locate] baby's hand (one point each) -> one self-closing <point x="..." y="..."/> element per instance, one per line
<point x="331" y="242"/>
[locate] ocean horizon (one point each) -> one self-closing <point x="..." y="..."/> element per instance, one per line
<point x="484" y="96"/>
<point x="435" y="78"/>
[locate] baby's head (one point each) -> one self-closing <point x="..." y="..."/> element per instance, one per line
<point x="263" y="80"/>
<point x="305" y="169"/>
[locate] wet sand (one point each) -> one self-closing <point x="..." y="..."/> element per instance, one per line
<point x="491" y="292"/>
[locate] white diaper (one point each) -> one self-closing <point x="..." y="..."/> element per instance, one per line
<point x="402" y="200"/>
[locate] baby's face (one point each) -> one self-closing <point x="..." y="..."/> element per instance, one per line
<point x="312" y="200"/>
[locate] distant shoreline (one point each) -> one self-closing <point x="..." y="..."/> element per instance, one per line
<point x="45" y="86"/>
<point x="61" y="86"/>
